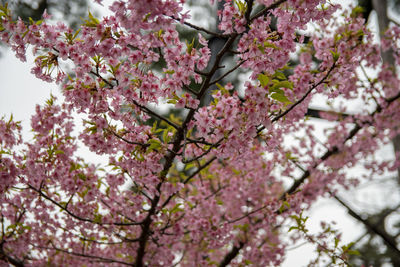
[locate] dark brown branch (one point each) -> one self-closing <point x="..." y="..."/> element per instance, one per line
<point x="248" y="10"/>
<point x="231" y="255"/>
<point x="126" y="140"/>
<point x="76" y="216"/>
<point x="227" y="73"/>
<point x="199" y="169"/>
<point x="204" y="153"/>
<point x="146" y="231"/>
<point x="96" y="258"/>
<point x="187" y="88"/>
<point x="102" y="78"/>
<point x="389" y="241"/>
<point x="220" y="35"/>
<point x="152" y="113"/>
<point x="301" y="99"/>
<point x="189" y="178"/>
<point x="316" y="113"/>
<point x="194" y="141"/>
<point x="3" y="255"/>
<point x="9" y="259"/>
<point x="267" y="9"/>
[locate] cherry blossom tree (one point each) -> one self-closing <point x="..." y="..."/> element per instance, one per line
<point x="217" y="184"/>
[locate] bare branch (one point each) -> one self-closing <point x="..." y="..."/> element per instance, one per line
<point x="76" y="216"/>
<point x="267" y="9"/>
<point x="228" y="72"/>
<point x="96" y="258"/>
<point x="216" y="34"/>
<point x="150" y="112"/>
<point x="389" y="241"/>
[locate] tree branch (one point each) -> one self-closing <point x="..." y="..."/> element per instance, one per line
<point x="150" y="112"/>
<point x="301" y="99"/>
<point x="97" y="258"/>
<point x="231" y="255"/>
<point x="228" y="72"/>
<point x="220" y="35"/>
<point x="267" y="9"/>
<point x="388" y="240"/>
<point x="76" y="216"/>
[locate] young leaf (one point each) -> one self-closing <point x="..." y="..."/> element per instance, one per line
<point x="281" y="98"/>
<point x="264" y="79"/>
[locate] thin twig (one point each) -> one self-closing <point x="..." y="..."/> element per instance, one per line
<point x="126" y="140"/>
<point x="267" y="9"/>
<point x="228" y="72"/>
<point x="76" y="216"/>
<point x="150" y="112"/>
<point x="97" y="258"/>
<point x="216" y="34"/>
<point x="301" y="99"/>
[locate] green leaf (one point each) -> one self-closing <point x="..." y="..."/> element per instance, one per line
<point x="335" y="55"/>
<point x="222" y="88"/>
<point x="353" y="252"/>
<point x="93" y="18"/>
<point x="358" y="10"/>
<point x="4" y="7"/>
<point x="76" y="34"/>
<point x="280" y="75"/>
<point x="154" y="145"/>
<point x="50" y="101"/>
<point x="57" y="152"/>
<point x="165" y="136"/>
<point x="235" y="171"/>
<point x="285" y="206"/>
<point x="281" y="98"/>
<point x="264" y="79"/>
<point x="248" y="262"/>
<point x="276" y="90"/>
<point x="190" y="47"/>
<point x="97" y="218"/>
<point x="242" y="6"/>
<point x="289" y="156"/>
<point x="91" y="22"/>
<point x="82" y="176"/>
<point x="336" y="242"/>
<point x="169" y="72"/>
<point x="270" y="45"/>
<point x="280" y="84"/>
<point x="172" y="101"/>
<point x="146" y="17"/>
<point x="338" y="37"/>
<point x="176" y="208"/>
<point x="261" y="48"/>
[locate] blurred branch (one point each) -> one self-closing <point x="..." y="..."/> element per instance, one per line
<point x="390" y="242"/>
<point x="216" y="34"/>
